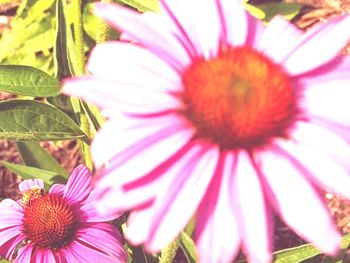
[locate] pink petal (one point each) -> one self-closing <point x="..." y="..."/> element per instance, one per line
<point x="299" y="204"/>
<point x="234" y="22"/>
<point x="326" y="39"/>
<point x="122" y="97"/>
<point x="324" y="163"/>
<point x="145" y="30"/>
<point x="57" y="189"/>
<point x="79" y="252"/>
<point x="90" y="213"/>
<point x="7" y="234"/>
<point x="107" y="242"/>
<point x="11" y="214"/>
<point x="7" y="249"/>
<point x="251" y="210"/>
<point x="24" y="254"/>
<point x="218" y="237"/>
<point x="120" y="62"/>
<point x="204" y="39"/>
<point x="125" y="137"/>
<point x="44" y="256"/>
<point x="327" y="98"/>
<point x="278" y="39"/>
<point x="176" y="203"/>
<point x="31" y="184"/>
<point x="79" y="185"/>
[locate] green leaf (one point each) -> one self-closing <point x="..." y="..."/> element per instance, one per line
<point x="271" y="9"/>
<point x="27" y="120"/>
<point x="144" y="5"/>
<point x="63" y="64"/>
<point x="188" y="247"/>
<point x="29" y="172"/>
<point x="28" y="81"/>
<point x="296" y="254"/>
<point x="34" y="155"/>
<point x="4" y="261"/>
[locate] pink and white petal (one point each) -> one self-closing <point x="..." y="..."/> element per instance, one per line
<point x="105" y="241"/>
<point x="57" y="189"/>
<point x="11" y="213"/>
<point x="7" y="249"/>
<point x="218" y="237"/>
<point x="78" y="186"/>
<point x="251" y="210"/>
<point x="328" y="100"/>
<point x="234" y="22"/>
<point x="278" y="39"/>
<point x="176" y="204"/>
<point x="323" y="140"/>
<point x="7" y="234"/>
<point x="327" y="38"/>
<point x="31" y="184"/>
<point x="304" y="212"/>
<point x="204" y="39"/>
<point x="145" y="30"/>
<point x="91" y="214"/>
<point x="149" y="141"/>
<point x="120" y="62"/>
<point x="79" y="252"/>
<point x="25" y="254"/>
<point x="121" y="97"/>
<point x="44" y="256"/>
<point x="319" y="167"/>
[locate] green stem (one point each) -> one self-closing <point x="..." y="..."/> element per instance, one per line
<point x="78" y="37"/>
<point x="169" y="252"/>
<point x="79" y="69"/>
<point x="104" y="31"/>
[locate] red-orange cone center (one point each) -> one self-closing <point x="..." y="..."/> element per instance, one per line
<point x="239" y="99"/>
<point x="49" y="222"/>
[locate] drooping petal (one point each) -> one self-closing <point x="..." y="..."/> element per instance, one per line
<point x="79" y="185"/>
<point x="299" y="204"/>
<point x="278" y="39"/>
<point x="326" y="97"/>
<point x="175" y="203"/>
<point x="7" y="234"/>
<point x="24" y="254"/>
<point x="145" y="30"/>
<point x="251" y="210"/>
<point x="326" y="39"/>
<point x="122" y="97"/>
<point x="325" y="168"/>
<point x="120" y="62"/>
<point x="234" y="22"/>
<point x="109" y="242"/>
<point x="132" y="136"/>
<point x="11" y="214"/>
<point x="79" y="252"/>
<point x="7" y="249"/>
<point x="218" y="237"/>
<point x="31" y="184"/>
<point x="44" y="256"/>
<point x="203" y="39"/>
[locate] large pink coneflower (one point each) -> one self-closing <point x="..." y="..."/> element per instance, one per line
<point x="214" y="115"/>
<point x="59" y="226"/>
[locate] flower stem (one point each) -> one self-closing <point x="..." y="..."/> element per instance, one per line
<point x="169" y="253"/>
<point x="104" y="31"/>
<point x="78" y="37"/>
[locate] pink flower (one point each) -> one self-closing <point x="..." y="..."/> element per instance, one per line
<point x="60" y="226"/>
<point x="214" y="115"/>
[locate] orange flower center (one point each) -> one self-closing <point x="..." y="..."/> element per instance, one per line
<point x="239" y="99"/>
<point x="49" y="222"/>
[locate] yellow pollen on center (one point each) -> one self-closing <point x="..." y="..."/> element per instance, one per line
<point x="239" y="99"/>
